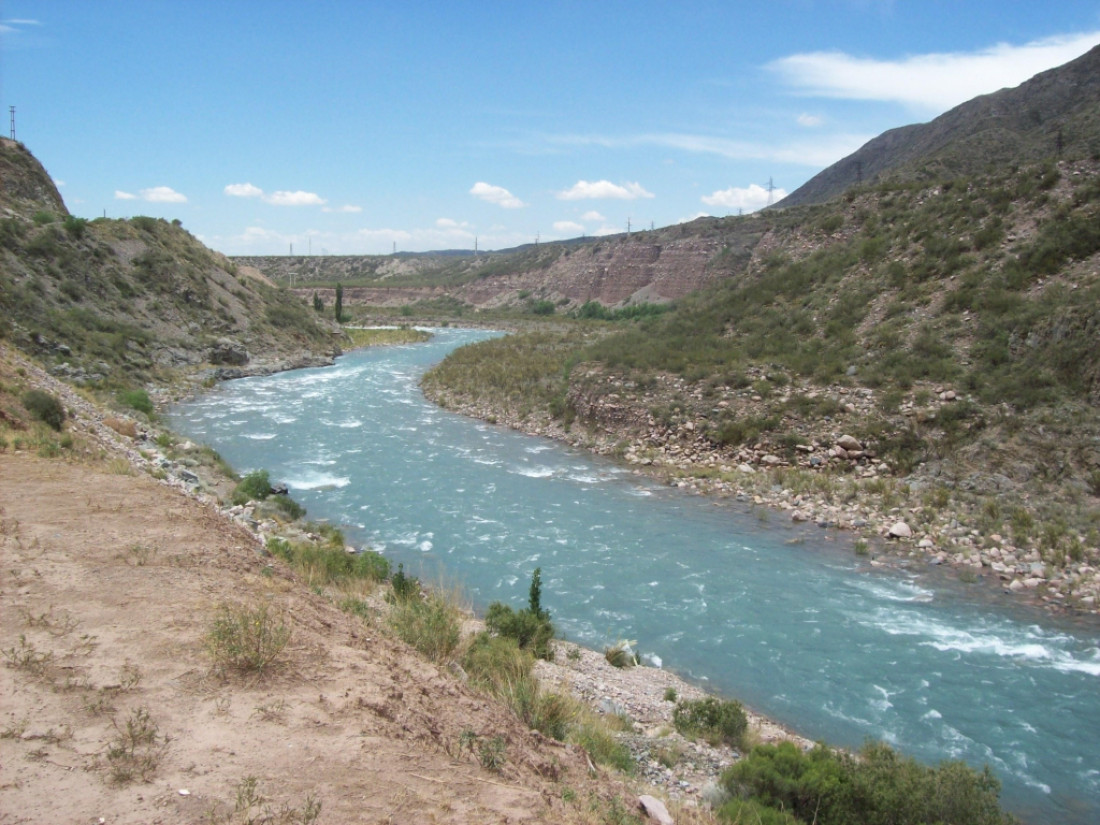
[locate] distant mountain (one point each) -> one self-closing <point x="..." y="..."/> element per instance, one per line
<point x="1055" y="113"/>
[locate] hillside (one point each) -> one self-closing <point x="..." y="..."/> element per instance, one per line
<point x="650" y="267"/>
<point x="1056" y="113"/>
<point x="124" y="302"/>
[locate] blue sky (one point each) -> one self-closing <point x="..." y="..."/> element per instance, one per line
<point x="356" y="127"/>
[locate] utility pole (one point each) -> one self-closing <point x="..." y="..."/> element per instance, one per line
<point x="11" y="109"/>
<point x="859" y="173"/>
<point x="771" y="189"/>
<point x="628" y="226"/>
<point x="292" y="249"/>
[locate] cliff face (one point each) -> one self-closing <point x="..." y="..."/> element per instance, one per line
<point x="645" y="267"/>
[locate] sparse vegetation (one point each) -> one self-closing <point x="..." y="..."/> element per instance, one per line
<point x="246" y="638"/>
<point x="136" y="750"/>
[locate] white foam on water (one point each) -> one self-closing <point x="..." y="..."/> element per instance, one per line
<point x="260" y="436"/>
<point x="424" y="546"/>
<point x="933" y="714"/>
<point x="350" y="424"/>
<point x="317" y="481"/>
<point x="1032" y="646"/>
<point x="534" y="472"/>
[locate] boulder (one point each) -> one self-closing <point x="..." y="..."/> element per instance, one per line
<point x="900" y="530"/>
<point x="848" y="443"/>
<point x="655" y="809"/>
<point x="229" y="352"/>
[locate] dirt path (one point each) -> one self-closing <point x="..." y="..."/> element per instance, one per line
<point x="109" y="584"/>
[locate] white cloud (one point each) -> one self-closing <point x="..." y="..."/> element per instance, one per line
<point x="568" y="227"/>
<point x="495" y="194"/>
<point x="593" y="216"/>
<point x="934" y="82"/>
<point x="124" y="196"/>
<point x="749" y="199"/>
<point x="284" y="198"/>
<point x="297" y="198"/>
<point x="348" y="208"/>
<point x="607" y="230"/>
<point x="58" y="183"/>
<point x="449" y="223"/>
<point x="808" y="120"/>
<point x="162" y="194"/>
<point x="243" y="190"/>
<point x="604" y="189"/>
<point x="818" y="152"/>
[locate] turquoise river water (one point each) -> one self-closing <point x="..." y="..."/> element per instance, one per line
<point x="787" y="620"/>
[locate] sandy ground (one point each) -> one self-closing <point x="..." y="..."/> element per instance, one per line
<point x="111" y="712"/>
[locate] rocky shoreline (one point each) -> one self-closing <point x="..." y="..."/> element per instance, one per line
<point x="833" y="481"/>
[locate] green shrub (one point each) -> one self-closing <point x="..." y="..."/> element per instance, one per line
<point x="881" y="787"/>
<point x="431" y="625"/>
<point x="750" y="812"/>
<point x="530" y="627"/>
<point x="531" y="632"/>
<point x="493" y="662"/>
<point x="138" y="400"/>
<point x="45" y="407"/>
<point x="75" y="226"/>
<point x="246" y="638"/>
<point x="404" y="587"/>
<point x="256" y="486"/>
<point x="601" y="745"/>
<point x="716" y="720"/>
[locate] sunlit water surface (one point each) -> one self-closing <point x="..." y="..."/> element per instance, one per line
<point x="788" y="620"/>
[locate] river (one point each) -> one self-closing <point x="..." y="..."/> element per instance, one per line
<point x="789" y="620"/>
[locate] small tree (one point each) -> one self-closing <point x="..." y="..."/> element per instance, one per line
<point x="339" y="308"/>
<point x="318" y="304"/>
<point x="535" y="597"/>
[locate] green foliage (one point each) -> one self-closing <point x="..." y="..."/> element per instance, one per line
<point x="256" y="486"/>
<point x="432" y="625"/>
<point x="601" y="745"/>
<point x="75" y="226"/>
<point x="138" y="400"/>
<point x="750" y="812"/>
<point x="327" y="563"/>
<point x="531" y="632"/>
<point x="542" y="307"/>
<point x="494" y="662"/>
<point x="44" y="407"/>
<point x="881" y="787"/>
<point x="338" y="306"/>
<point x="318" y="304"/>
<point x="530" y="627"/>
<point x="716" y="720"/>
<point x="404" y="587"/>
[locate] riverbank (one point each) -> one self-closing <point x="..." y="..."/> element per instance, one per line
<point x="830" y="479"/>
<point x="120" y="554"/>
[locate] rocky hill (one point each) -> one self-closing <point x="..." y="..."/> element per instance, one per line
<point x="120" y="302"/>
<point x="1055" y="114"/>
